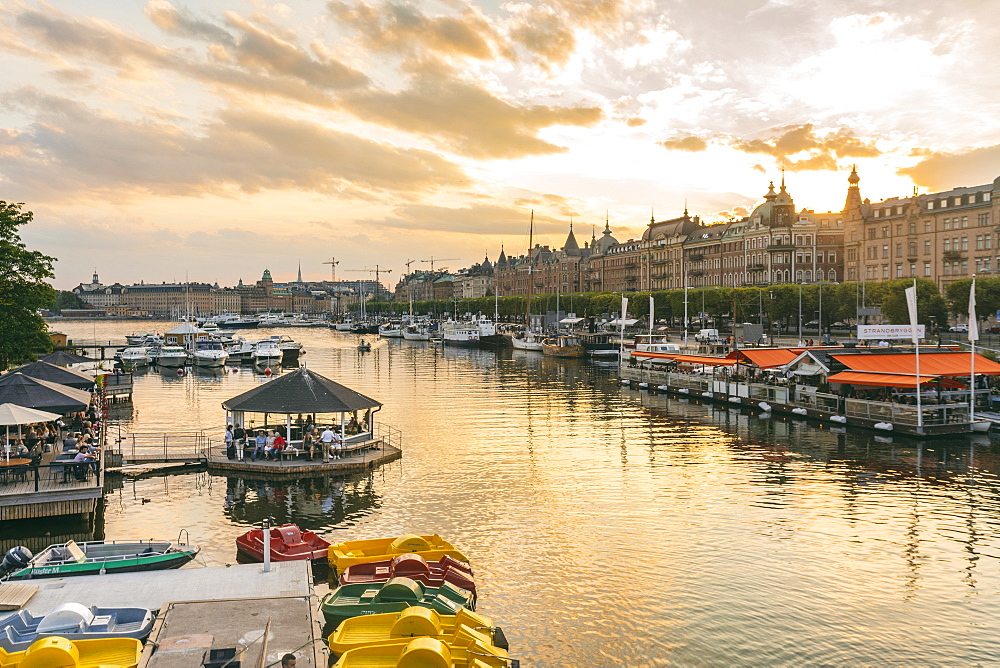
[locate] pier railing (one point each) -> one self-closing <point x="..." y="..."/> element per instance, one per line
<point x="882" y="411"/>
<point x="389" y="435"/>
<point x="164" y="447"/>
<point x="61" y="476"/>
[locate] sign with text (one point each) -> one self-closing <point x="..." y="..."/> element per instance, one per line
<point x="888" y="331"/>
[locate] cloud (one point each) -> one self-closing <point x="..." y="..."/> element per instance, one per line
<point x="689" y="143"/>
<point x="635" y="122"/>
<point x="172" y="20"/>
<point x="478" y="219"/>
<point x="73" y="151"/>
<point x="944" y="171"/>
<point x="469" y="119"/>
<point x="822" y="150"/>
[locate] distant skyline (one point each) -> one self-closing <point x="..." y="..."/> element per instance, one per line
<point x="219" y="138"/>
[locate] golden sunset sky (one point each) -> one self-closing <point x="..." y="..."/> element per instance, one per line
<point x="216" y="138"/>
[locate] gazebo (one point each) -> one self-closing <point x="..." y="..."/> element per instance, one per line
<point x="303" y="393"/>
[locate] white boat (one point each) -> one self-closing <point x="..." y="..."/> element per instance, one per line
<point x="144" y="339"/>
<point x="267" y="352"/>
<point x="457" y="333"/>
<point x="241" y="350"/>
<point x="135" y="356"/>
<point x="489" y="337"/>
<point x="74" y="622"/>
<point x="391" y="330"/>
<point x="290" y="348"/>
<point x="527" y="341"/>
<point x="208" y="353"/>
<point x="238" y="322"/>
<point x="343" y="326"/>
<point x="171" y="356"/>
<point x="417" y="333"/>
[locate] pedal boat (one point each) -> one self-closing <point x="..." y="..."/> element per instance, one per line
<point x="395" y="595"/>
<point x="105" y="556"/>
<point x="74" y="622"/>
<point x="414" y="622"/>
<point x="424" y="653"/>
<point x="415" y="567"/>
<point x="431" y="548"/>
<point x="288" y="543"/>
<point x="53" y="652"/>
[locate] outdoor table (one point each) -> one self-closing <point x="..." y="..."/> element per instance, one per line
<point x="8" y="466"/>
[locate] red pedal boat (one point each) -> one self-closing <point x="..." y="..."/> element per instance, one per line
<point x="415" y="567"/>
<point x="288" y="543"/>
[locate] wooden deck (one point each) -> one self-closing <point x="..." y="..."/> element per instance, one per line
<point x="378" y="453"/>
<point x="49" y="490"/>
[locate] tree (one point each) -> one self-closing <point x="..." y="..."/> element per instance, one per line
<point x="23" y="290"/>
<point x="66" y="299"/>
<point x="929" y="302"/>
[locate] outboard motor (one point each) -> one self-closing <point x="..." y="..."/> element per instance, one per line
<point x="15" y="559"/>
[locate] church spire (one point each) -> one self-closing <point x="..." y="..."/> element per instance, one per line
<point x="299" y="279"/>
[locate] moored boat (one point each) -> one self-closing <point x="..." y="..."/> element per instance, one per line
<point x="97" y="557"/>
<point x="209" y="353"/>
<point x="171" y="356"/>
<point x="392" y="329"/>
<point x="416" y="333"/>
<point x="415" y="567"/>
<point x="431" y="548"/>
<point x="395" y="595"/>
<point x="135" y="356"/>
<point x="267" y="352"/>
<point x="62" y="653"/>
<point x="460" y="333"/>
<point x="526" y="341"/>
<point x="415" y="622"/>
<point x="426" y="652"/>
<point x="288" y="543"/>
<point x="600" y="344"/>
<point x="563" y="346"/>
<point x="74" y="622"/>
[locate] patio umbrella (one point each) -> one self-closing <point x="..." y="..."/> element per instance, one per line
<point x="55" y="374"/>
<point x="16" y="388"/>
<point x="62" y="358"/>
<point x="14" y="414"/>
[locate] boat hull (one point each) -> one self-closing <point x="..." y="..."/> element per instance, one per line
<point x="298" y="546"/>
<point x="494" y="341"/>
<point x="139" y="564"/>
<point x="522" y="344"/>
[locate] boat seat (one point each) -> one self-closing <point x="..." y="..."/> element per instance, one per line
<point x="368" y="596"/>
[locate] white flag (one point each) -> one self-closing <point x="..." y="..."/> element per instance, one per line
<point x="624" y="309"/>
<point x="651" y="311"/>
<point x="973" y="323"/>
<point x="911" y="303"/>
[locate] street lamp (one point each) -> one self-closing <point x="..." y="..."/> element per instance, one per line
<point x="800" y="312"/>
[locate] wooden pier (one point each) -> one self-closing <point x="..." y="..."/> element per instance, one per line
<point x="376" y="453"/>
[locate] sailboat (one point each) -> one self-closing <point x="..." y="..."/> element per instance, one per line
<point x="528" y="340"/>
<point x="563" y="345"/>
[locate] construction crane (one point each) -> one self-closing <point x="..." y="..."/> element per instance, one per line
<point x="433" y="259"/>
<point x="377" y="270"/>
<point x="333" y="268"/>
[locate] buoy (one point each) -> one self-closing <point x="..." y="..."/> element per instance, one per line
<point x="838" y="418"/>
<point x="267" y="371"/>
<point x="643" y="386"/>
<point x="663" y="388"/>
<point x="180" y="372"/>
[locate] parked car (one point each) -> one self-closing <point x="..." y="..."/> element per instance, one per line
<point x="958" y="328"/>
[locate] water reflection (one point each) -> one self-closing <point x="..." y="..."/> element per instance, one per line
<point x="315" y="503"/>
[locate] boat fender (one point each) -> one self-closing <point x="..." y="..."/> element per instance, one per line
<point x="267" y="371"/>
<point x="16" y="558"/>
<point x="643" y="386"/>
<point x="735" y="400"/>
<point x="626" y="381"/>
<point x="662" y="388"/>
<point x="838" y="418"/>
<point x="764" y="406"/>
<point x="707" y="394"/>
<point x="684" y="390"/>
<point x="800" y="411"/>
<point x="887" y="426"/>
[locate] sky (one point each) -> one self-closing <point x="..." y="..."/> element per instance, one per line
<point x="210" y="140"/>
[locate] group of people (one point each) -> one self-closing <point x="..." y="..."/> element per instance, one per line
<point x="269" y="444"/>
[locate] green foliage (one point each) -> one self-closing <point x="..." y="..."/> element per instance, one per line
<point x="66" y="299"/>
<point x="23" y="290"/>
<point x="930" y="303"/>
<point x="987" y="296"/>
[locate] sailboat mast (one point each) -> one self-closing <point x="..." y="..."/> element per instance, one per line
<point x="527" y="304"/>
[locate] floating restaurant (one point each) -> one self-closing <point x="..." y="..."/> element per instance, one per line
<point x="872" y="387"/>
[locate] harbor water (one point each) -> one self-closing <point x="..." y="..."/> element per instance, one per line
<point x="609" y="527"/>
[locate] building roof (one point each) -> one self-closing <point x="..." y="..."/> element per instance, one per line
<point x="300" y="391"/>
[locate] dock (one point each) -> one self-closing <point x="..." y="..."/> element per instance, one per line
<point x="377" y="453"/>
<point x="260" y="616"/>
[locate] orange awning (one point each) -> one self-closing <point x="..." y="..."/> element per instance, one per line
<point x="931" y="363"/>
<point x="764" y="358"/>
<point x="879" y="379"/>
<point x="686" y="359"/>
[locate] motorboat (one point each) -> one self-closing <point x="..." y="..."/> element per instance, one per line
<point x="171" y="356"/>
<point x="267" y="352"/>
<point x="96" y="557"/>
<point x="58" y="651"/>
<point x="417" y="333"/>
<point x="564" y="345"/>
<point x="288" y="543"/>
<point x="415" y="567"/>
<point x="290" y="348"/>
<point x="237" y="322"/>
<point x="600" y="344"/>
<point x="144" y="339"/>
<point x="364" y="347"/>
<point x="345" y="326"/>
<point x="74" y="621"/>
<point x="209" y="353"/>
<point x="394" y="595"/>
<point x="210" y="326"/>
<point x="414" y="622"/>
<point x="392" y="329"/>
<point x="489" y="337"/>
<point x="134" y="356"/>
<point x="526" y="341"/>
<point x="457" y="333"/>
<point x="420" y="652"/>
<point x="431" y="548"/>
<point x="241" y="350"/>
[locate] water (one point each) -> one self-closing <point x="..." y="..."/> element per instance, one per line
<point x="612" y="528"/>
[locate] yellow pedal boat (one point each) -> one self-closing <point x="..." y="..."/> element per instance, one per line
<point x="56" y="652"/>
<point x="431" y="548"/>
<point x="424" y="653"/>
<point x="396" y="628"/>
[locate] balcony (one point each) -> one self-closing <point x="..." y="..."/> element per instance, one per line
<point x="659" y="261"/>
<point x="696" y="257"/>
<point x="755" y="267"/>
<point x="696" y="272"/>
<point x="780" y="247"/>
<point x="953" y="255"/>
<point x="631" y="279"/>
<point x="660" y="275"/>
<point x="630" y="265"/>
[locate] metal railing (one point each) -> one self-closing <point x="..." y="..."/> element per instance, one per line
<point x="168" y="447"/>
<point x="58" y="476"/>
<point x="820" y="401"/>
<point x="883" y="411"/>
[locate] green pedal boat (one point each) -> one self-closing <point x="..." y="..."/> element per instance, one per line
<point x="395" y="595"/>
<point x="96" y="558"/>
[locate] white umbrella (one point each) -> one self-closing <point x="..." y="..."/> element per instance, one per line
<point x="14" y="414"/>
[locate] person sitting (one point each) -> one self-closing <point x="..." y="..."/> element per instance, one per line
<point x="82" y="461"/>
<point x="353" y="427"/>
<point x="307" y="444"/>
<point x="336" y="445"/>
<point x="277" y="446"/>
<point x="260" y="442"/>
<point x="70" y="441"/>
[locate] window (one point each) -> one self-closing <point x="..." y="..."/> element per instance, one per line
<point x="885" y="232"/>
<point x="984" y="219"/>
<point x="979" y="264"/>
<point x="871" y="235"/>
<point x="809" y="275"/>
<point x="957" y="201"/>
<point x="820" y="275"/>
<point x="833" y="257"/>
<point x="885" y="250"/>
<point x="979" y="242"/>
<point x="947" y="223"/>
<point x="947" y="245"/>
<point x="965" y="266"/>
<point x="965" y="243"/>
<point x="927" y="268"/>
<point x="899" y="270"/>
<point x="819" y="257"/>
<point x="930" y="205"/>
<point x="878" y="213"/>
<point x="927" y="226"/>
<point x="885" y="271"/>
<point x="943" y="204"/>
<point x="899" y="230"/>
<point x="913" y="269"/>
<point x="852" y="255"/>
<point x="899" y="250"/>
<point x="965" y="222"/>
<point x="989" y="241"/>
<point x="947" y="268"/>
<point x="798" y="276"/>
